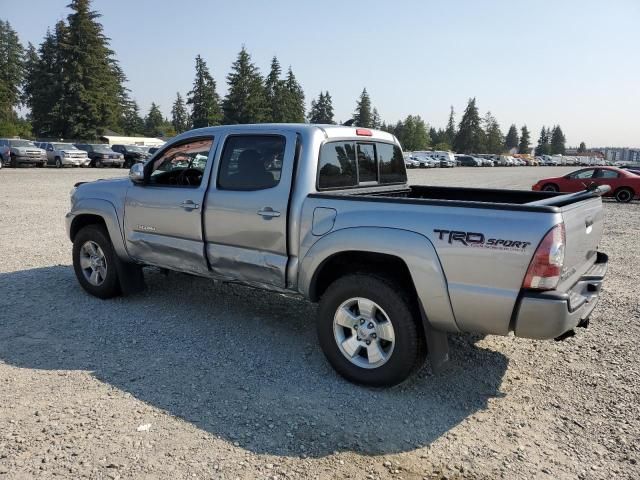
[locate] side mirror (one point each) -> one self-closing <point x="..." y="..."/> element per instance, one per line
<point x="136" y="173"/>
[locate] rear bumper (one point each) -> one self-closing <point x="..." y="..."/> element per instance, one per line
<point x="545" y="315"/>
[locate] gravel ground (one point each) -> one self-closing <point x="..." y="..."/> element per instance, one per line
<point x="193" y="379"/>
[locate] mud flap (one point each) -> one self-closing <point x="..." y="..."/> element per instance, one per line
<point x="437" y="345"/>
<point x="130" y="277"/>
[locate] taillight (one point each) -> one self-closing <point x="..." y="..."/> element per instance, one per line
<point x="546" y="266"/>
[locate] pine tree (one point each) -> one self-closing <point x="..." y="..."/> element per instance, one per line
<point x="43" y="86"/>
<point x="511" y="141"/>
<point x="274" y="88"/>
<point x="494" y="140"/>
<point x="11" y="72"/>
<point x="450" y="132"/>
<point x="375" y="120"/>
<point x="246" y="101"/>
<point x="132" y="123"/>
<point x="92" y="82"/>
<point x="154" y="121"/>
<point x="470" y="136"/>
<point x="179" y="116"/>
<point x="322" y="110"/>
<point x="294" y="99"/>
<point x="434" y="135"/>
<point x="203" y="98"/>
<point x="543" y="147"/>
<point x="523" y="146"/>
<point x="557" y="141"/>
<point x="582" y="148"/>
<point x="363" y="116"/>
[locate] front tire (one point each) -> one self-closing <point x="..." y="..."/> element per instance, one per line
<point x="550" y="187"/>
<point x="368" y="330"/>
<point x="94" y="262"/>
<point x="58" y="163"/>
<point x="624" y="195"/>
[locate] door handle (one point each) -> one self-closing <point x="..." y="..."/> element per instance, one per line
<point x="189" y="205"/>
<point x="268" y="213"/>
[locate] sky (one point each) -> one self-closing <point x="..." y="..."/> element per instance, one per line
<point x="541" y="62"/>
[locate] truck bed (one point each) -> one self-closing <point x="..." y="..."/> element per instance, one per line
<point x="474" y="197"/>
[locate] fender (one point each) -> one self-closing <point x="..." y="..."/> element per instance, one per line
<point x="414" y="249"/>
<point x="107" y="211"/>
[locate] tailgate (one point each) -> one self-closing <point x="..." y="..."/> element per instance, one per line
<point x="583" y="223"/>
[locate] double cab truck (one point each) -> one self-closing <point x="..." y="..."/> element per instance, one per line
<point x="325" y="212"/>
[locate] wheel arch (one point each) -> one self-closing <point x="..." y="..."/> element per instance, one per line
<point x="94" y="211"/>
<point x="407" y="256"/>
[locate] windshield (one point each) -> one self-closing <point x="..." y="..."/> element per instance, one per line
<point x="64" y="146"/>
<point x="102" y="149"/>
<point x="136" y="149"/>
<point x="21" y="143"/>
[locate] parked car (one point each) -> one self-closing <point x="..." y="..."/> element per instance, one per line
<point x="132" y="154"/>
<point x="21" y="152"/>
<point x="101" y="155"/>
<point x="425" y="161"/>
<point x="393" y="266"/>
<point x="61" y="154"/>
<point x="411" y="163"/>
<point x="468" y="161"/>
<point x="445" y="159"/>
<point x="625" y="186"/>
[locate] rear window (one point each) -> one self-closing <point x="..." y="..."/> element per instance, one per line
<point x="391" y="163"/>
<point x="351" y="164"/>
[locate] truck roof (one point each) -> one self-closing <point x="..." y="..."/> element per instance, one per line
<point x="330" y="131"/>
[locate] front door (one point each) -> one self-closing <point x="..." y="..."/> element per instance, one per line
<point x="245" y="214"/>
<point x="163" y="216"/>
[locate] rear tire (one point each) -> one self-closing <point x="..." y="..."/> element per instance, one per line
<point x="550" y="187"/>
<point x="373" y="309"/>
<point x="624" y="195"/>
<point x="94" y="262"/>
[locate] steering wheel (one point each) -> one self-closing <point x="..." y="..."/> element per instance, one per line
<point x="189" y="176"/>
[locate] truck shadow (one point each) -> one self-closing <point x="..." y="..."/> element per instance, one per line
<point x="241" y="364"/>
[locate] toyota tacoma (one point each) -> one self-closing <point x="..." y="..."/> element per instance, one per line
<point x="325" y="212"/>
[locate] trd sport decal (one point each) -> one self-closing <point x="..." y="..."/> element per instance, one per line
<point x="475" y="239"/>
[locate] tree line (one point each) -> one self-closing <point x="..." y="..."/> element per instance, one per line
<point x="74" y="87"/>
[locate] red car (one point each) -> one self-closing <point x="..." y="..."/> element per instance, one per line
<point x="625" y="186"/>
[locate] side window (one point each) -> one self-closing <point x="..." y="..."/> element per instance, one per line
<point x="337" y="165"/>
<point x="251" y="162"/>
<point x="606" y="174"/>
<point x="181" y="165"/>
<point x="367" y="167"/>
<point x="582" y="174"/>
<point x="392" y="168"/>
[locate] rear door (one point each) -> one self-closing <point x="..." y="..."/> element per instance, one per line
<point x="245" y="217"/>
<point x="604" y="176"/>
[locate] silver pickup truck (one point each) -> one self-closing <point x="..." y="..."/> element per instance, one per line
<point x="326" y="212"/>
